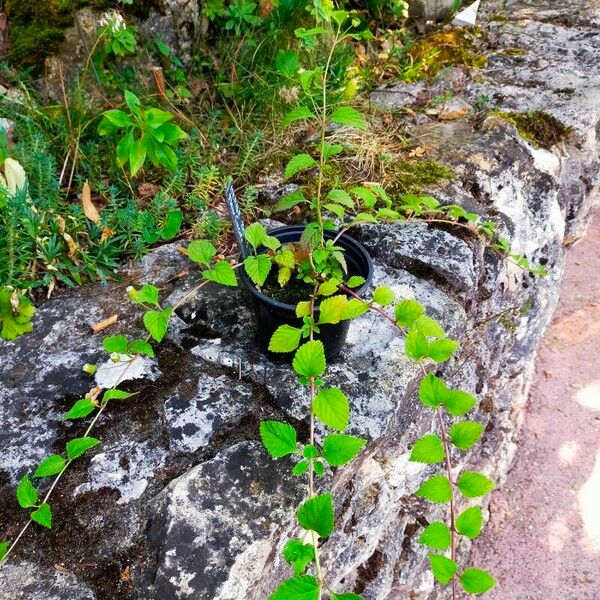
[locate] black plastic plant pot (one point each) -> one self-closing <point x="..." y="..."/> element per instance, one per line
<point x="271" y="313"/>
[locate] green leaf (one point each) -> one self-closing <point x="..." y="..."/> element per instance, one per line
<point x="118" y="118"/>
<point x="442" y="350"/>
<point x="432" y="391"/>
<point x="81" y="408"/>
<point x="408" y="311"/>
<point x="43" y="515"/>
<point x="355" y="281"/>
<point x="298" y="163"/>
<point x="473" y="485"/>
<point x="4" y="546"/>
<point x="300" y="468"/>
<point x="27" y="495"/>
<point x="289" y="201"/>
<point x="476" y="581"/>
<point x="299" y="555"/>
<point x="300" y="587"/>
<point x="278" y="438"/>
<point x="137" y="156"/>
<point x="318" y="467"/>
<point x="116" y="343"/>
<point x="436" y="535"/>
<point x="258" y="268"/>
<point x="285" y="339"/>
<point x="116" y="394"/>
<point x="336" y="209"/>
<point x="298" y="114"/>
<point x="330" y="150"/>
<point x="465" y="434"/>
<point x="354" y="308"/>
<point x="470" y="522"/>
<point x="341" y="197"/>
<point x="329" y="287"/>
<point x="346" y="115"/>
<point x="132" y="101"/>
<point x="442" y="567"/>
<point x="436" y="489"/>
<point x="428" y="449"/>
<point x="332" y="408"/>
<point x="309" y="359"/>
<point x="78" y="446"/>
<point x="383" y="295"/>
<point x="157" y="321"/>
<point x="221" y="273"/>
<point x="201" y="251"/>
<point x="310" y="451"/>
<point x="458" y="403"/>
<point x="271" y="242"/>
<point x="140" y="347"/>
<point x="316" y="514"/>
<point x="147" y="294"/>
<point x="124" y="148"/>
<point x="50" y="466"/>
<point x="416" y="344"/>
<point x="339" y="449"/>
<point x="428" y="327"/>
<point x="172" y="224"/>
<point x="368" y="198"/>
<point x="255" y="234"/>
<point x="15" y="322"/>
<point x="303" y="309"/>
<point x="347" y="597"/>
<point x="331" y="310"/>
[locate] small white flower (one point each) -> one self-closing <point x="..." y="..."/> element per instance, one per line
<point x="113" y="19"/>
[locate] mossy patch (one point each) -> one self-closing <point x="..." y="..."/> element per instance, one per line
<point x="442" y="49"/>
<point x="412" y="177"/>
<point x="538" y="127"/>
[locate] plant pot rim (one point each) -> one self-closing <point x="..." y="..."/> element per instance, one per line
<point x="350" y="241"/>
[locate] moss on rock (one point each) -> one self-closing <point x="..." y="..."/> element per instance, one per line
<point x="537" y="126"/>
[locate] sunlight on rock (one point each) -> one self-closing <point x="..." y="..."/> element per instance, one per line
<point x="567" y="453"/>
<point x="589" y="396"/>
<point x="558" y="533"/>
<point x="589" y="496"/>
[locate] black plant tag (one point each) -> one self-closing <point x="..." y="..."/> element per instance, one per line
<point x="236" y="220"/>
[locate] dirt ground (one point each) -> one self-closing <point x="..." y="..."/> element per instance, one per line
<point x="543" y="538"/>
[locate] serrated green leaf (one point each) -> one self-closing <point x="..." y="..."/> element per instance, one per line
<point x="443" y="568"/>
<point x="432" y="391"/>
<point x="316" y="514"/>
<point x="300" y="468"/>
<point x="416" y="345"/>
<point x="436" y="489"/>
<point x="116" y="343"/>
<point x="14" y="322"/>
<point x="300" y="587"/>
<point x="289" y="201"/>
<point x="341" y="197"/>
<point x="174" y="219"/>
<point x="332" y="408"/>
<point x="470" y="522"/>
<point x="81" y="408"/>
<point x="140" y="347"/>
<point x="429" y="327"/>
<point x="283" y="275"/>
<point x="201" y="251"/>
<point x="354" y="308"/>
<point x="278" y="438"/>
<point x="473" y="485"/>
<point x="330" y="150"/>
<point x="271" y="242"/>
<point x="222" y="273"/>
<point x="328" y="287"/>
<point x="465" y="434"/>
<point x="285" y="339"/>
<point x="157" y="321"/>
<point x="346" y="115"/>
<point x="310" y="451"/>
<point x="78" y="446"/>
<point x="298" y="114"/>
<point x="43" y="515"/>
<point x="442" y="350"/>
<point x="116" y="394"/>
<point x="336" y="209"/>
<point x="258" y="268"/>
<point x="339" y="449"/>
<point x="309" y="359"/>
<point x="298" y="163"/>
<point x="458" y="403"/>
<point x="436" y="535"/>
<point x="4" y="546"/>
<point x="147" y="294"/>
<point x="355" y="281"/>
<point x="428" y="449"/>
<point x="27" y="495"/>
<point x="383" y="295"/>
<point x="318" y="467"/>
<point x="299" y="555"/>
<point x="51" y="465"/>
<point x="476" y="581"/>
<point x="303" y="309"/>
<point x="255" y="234"/>
<point x="331" y="310"/>
<point x="368" y="198"/>
<point x="407" y="312"/>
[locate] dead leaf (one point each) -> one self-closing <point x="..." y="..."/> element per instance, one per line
<point x="106" y="234"/>
<point x="104" y="324"/>
<point x="71" y="243"/>
<point x="91" y="212"/>
<point x="126" y="575"/>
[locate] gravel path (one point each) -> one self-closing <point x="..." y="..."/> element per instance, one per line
<point x="543" y="538"/>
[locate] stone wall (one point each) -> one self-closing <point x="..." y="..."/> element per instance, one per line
<point x="181" y="501"/>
